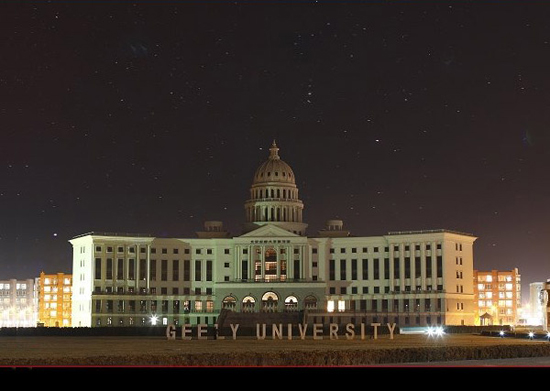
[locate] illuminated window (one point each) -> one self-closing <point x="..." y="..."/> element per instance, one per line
<point x="198" y="306"/>
<point x="341" y="305"/>
<point x="330" y="306"/>
<point x="489" y="278"/>
<point x="489" y="295"/>
<point x="480" y="286"/>
<point x="209" y="306"/>
<point x="509" y="286"/>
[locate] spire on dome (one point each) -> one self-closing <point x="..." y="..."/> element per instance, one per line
<point x="274" y="151"/>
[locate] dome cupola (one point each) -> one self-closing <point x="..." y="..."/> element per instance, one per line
<point x="274" y="196"/>
<point x="274" y="169"/>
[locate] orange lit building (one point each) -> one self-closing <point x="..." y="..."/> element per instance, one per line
<point x="497" y="297"/>
<point x="55" y="299"/>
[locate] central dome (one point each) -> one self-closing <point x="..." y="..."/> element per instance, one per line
<point x="274" y="197"/>
<point x="274" y="169"/>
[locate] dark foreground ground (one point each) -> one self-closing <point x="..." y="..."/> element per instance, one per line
<point x="154" y="351"/>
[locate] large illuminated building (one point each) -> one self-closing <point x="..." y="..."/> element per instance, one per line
<point x="55" y="300"/>
<point x="413" y="278"/>
<point x="18" y="303"/>
<point x="497" y="297"/>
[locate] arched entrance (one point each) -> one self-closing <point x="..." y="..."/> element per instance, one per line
<point x="248" y="304"/>
<point x="310" y="303"/>
<point x="291" y="303"/>
<point x="229" y="303"/>
<point x="270" y="300"/>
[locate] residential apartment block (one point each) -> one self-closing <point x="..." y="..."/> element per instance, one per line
<point x="497" y="297"/>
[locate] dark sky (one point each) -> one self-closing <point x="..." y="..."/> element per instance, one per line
<point x="152" y="117"/>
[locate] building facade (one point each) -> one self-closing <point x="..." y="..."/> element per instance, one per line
<point x="497" y="297"/>
<point x="55" y="300"/>
<point x="18" y="303"/>
<point x="413" y="278"/>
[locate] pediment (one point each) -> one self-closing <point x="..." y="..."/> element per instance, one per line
<point x="269" y="230"/>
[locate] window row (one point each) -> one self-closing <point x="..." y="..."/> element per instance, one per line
<point x="143" y="250"/>
<point x="126" y="270"/>
<point x="417" y="247"/>
<point x="152" y="306"/>
<point x="376" y="289"/>
<point x="360" y="270"/>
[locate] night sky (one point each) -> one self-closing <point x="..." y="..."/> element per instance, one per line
<point x="151" y="117"/>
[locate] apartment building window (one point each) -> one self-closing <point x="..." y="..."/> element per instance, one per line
<point x="439" y="266"/>
<point x="396" y="268"/>
<point x="109" y="271"/>
<point x="186" y="270"/>
<point x="244" y="269"/>
<point x="164" y="251"/>
<point x="120" y="269"/>
<point x="365" y="269"/>
<point x="175" y="251"/>
<point x="131" y="269"/>
<point x="98" y="268"/>
<point x="428" y="266"/>
<point x="407" y="267"/>
<point x="331" y="270"/>
<point x="175" y="270"/>
<point x="153" y="270"/>
<point x="226" y="251"/>
<point x="342" y="269"/>
<point x="208" y="270"/>
<point x="142" y="269"/>
<point x="354" y="269"/>
<point x="164" y="270"/>
<point x="109" y="249"/>
<point x="198" y="276"/>
<point x="376" y="268"/>
<point x="417" y="267"/>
